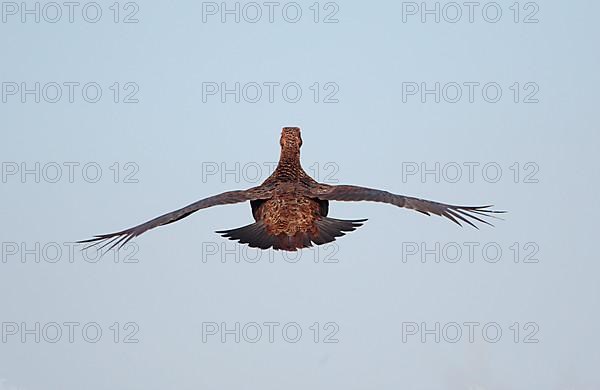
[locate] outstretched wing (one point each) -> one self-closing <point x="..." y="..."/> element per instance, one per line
<point x="122" y="237"/>
<point x="454" y="213"/>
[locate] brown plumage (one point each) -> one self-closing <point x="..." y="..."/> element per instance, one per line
<point x="290" y="208"/>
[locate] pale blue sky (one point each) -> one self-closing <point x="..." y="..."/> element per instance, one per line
<point x="367" y="137"/>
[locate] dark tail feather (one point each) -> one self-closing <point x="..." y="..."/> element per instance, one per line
<point x="256" y="235"/>
<point x="330" y="228"/>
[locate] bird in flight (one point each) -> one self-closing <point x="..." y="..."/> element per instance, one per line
<point x="290" y="208"/>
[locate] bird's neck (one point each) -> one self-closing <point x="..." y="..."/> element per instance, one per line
<point x="289" y="157"/>
<point x="289" y="164"/>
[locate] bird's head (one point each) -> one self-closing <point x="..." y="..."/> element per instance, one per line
<point x="290" y="138"/>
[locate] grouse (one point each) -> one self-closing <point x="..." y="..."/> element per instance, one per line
<point x="290" y="208"/>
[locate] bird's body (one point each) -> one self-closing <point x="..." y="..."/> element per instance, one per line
<point x="290" y="208"/>
<point x="292" y="218"/>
